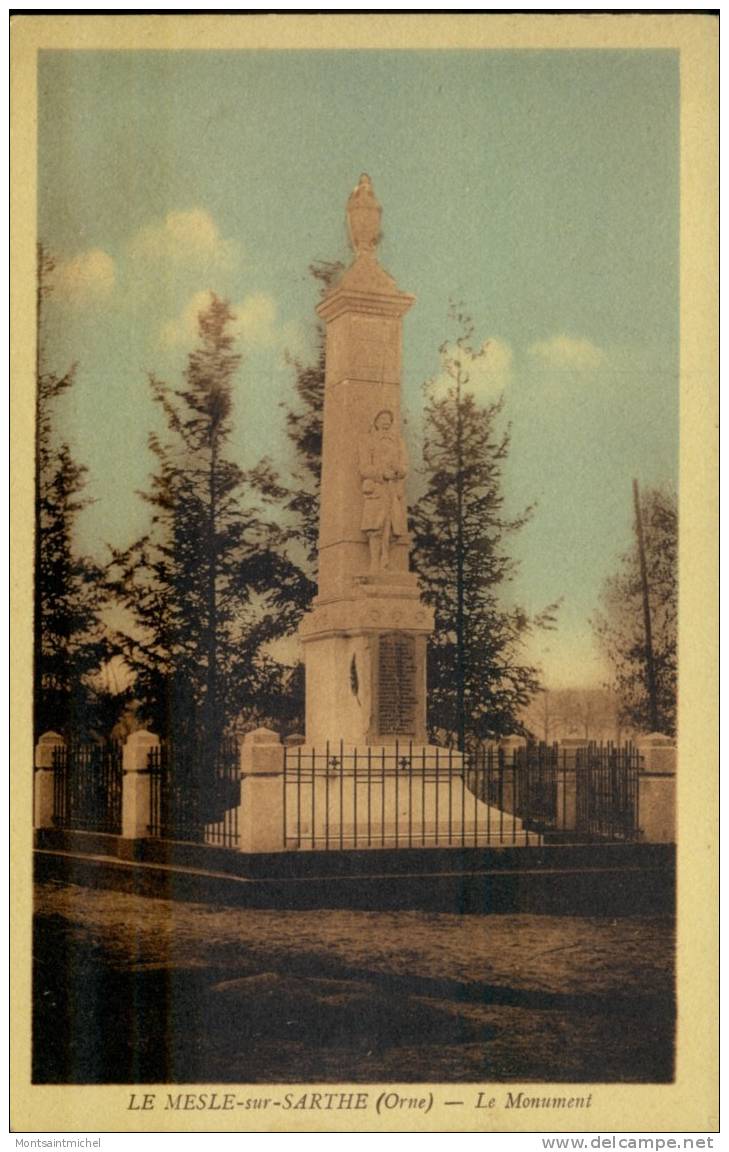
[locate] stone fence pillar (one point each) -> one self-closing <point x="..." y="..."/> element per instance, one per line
<point x="43" y="778"/>
<point x="261" y="815"/>
<point x="567" y="781"/>
<point x="510" y="743"/>
<point x="657" y="788"/>
<point x="137" y="784"/>
<point x="571" y="745"/>
<point x="511" y="746"/>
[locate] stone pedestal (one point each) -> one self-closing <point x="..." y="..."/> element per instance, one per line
<point x="364" y="640"/>
<point x="366" y="669"/>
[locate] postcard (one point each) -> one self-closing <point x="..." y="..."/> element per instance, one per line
<point x="364" y="494"/>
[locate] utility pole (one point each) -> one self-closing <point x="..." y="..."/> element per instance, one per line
<point x="460" y="590"/>
<point x="650" y="668"/>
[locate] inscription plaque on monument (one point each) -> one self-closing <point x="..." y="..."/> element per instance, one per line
<point x="396" y="685"/>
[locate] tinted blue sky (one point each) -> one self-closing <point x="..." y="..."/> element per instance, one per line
<point x="540" y="188"/>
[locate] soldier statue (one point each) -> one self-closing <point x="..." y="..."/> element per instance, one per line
<point x="383" y="466"/>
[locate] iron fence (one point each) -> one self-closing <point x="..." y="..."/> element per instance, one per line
<point x="390" y="797"/>
<point x="87" y="786"/>
<point x="195" y="796"/>
<point x="523" y="781"/>
<point x="606" y="779"/>
<point x="403" y="796"/>
<point x="400" y="796"/>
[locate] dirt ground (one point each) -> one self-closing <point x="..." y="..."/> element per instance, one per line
<point x="131" y="989"/>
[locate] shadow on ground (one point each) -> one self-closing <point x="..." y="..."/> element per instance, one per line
<point x="321" y="1020"/>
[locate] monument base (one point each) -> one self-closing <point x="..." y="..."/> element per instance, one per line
<point x="364" y="656"/>
<point x="365" y="797"/>
<point x="368" y="687"/>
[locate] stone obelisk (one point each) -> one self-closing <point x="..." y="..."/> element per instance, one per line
<point x="365" y="638"/>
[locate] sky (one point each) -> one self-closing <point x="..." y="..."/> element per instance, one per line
<point x="538" y="188"/>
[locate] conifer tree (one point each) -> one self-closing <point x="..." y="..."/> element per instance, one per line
<point x="300" y="504"/>
<point x="295" y="567"/>
<point x="198" y="583"/>
<point x="477" y="680"/>
<point x="70" y="642"/>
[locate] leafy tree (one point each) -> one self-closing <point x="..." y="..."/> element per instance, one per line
<point x="70" y="642"/>
<point x="198" y="583"/>
<point x="477" y="682"/>
<point x="619" y="624"/>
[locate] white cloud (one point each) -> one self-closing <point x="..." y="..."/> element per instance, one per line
<point x="85" y="278"/>
<point x="255" y="319"/>
<point x="566" y="352"/>
<point x="183" y="238"/>
<point x="485" y="372"/>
